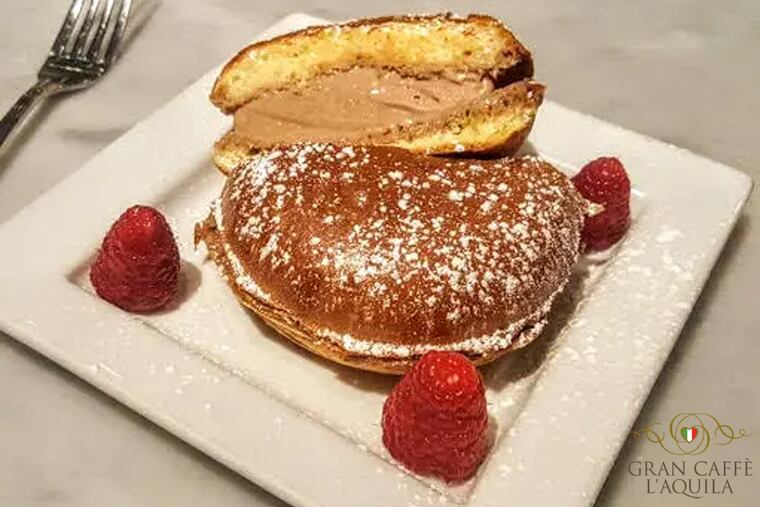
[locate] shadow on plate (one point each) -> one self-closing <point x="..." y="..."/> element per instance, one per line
<point x="526" y="361"/>
<point x="362" y="380"/>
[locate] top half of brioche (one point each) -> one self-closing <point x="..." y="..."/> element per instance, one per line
<point x="419" y="46"/>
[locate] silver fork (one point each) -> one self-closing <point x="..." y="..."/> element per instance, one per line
<point x="83" y="51"/>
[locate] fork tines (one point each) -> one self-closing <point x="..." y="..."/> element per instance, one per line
<point x="92" y="31"/>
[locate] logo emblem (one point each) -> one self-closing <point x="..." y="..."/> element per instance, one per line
<point x="689" y="434"/>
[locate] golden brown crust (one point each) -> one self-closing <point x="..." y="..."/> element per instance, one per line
<point x="426" y="45"/>
<point x="495" y="124"/>
<point x="369" y="256"/>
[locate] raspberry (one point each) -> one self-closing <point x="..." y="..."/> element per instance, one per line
<point x="604" y="181"/>
<point x="137" y="267"/>
<point x="435" y="419"/>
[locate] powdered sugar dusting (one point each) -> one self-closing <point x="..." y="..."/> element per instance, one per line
<point x="407" y="254"/>
<point x="242" y="279"/>
<point x="525" y="330"/>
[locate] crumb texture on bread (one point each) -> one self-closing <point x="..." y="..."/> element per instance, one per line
<point x="417" y="45"/>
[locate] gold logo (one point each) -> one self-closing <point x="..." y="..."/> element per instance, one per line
<point x="690" y="434"/>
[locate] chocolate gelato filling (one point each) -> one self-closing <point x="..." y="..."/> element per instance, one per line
<point x="350" y="104"/>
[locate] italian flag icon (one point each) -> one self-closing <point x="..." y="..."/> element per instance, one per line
<point x="689" y="434"/>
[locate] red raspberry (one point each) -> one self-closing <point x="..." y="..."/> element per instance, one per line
<point x="435" y="419"/>
<point x="137" y="268"/>
<point x="604" y="181"/>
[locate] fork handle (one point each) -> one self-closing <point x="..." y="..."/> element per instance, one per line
<point x="41" y="89"/>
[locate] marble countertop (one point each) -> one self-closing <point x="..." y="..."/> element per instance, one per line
<point x="685" y="72"/>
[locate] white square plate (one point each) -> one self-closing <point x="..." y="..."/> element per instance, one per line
<point x="307" y="430"/>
